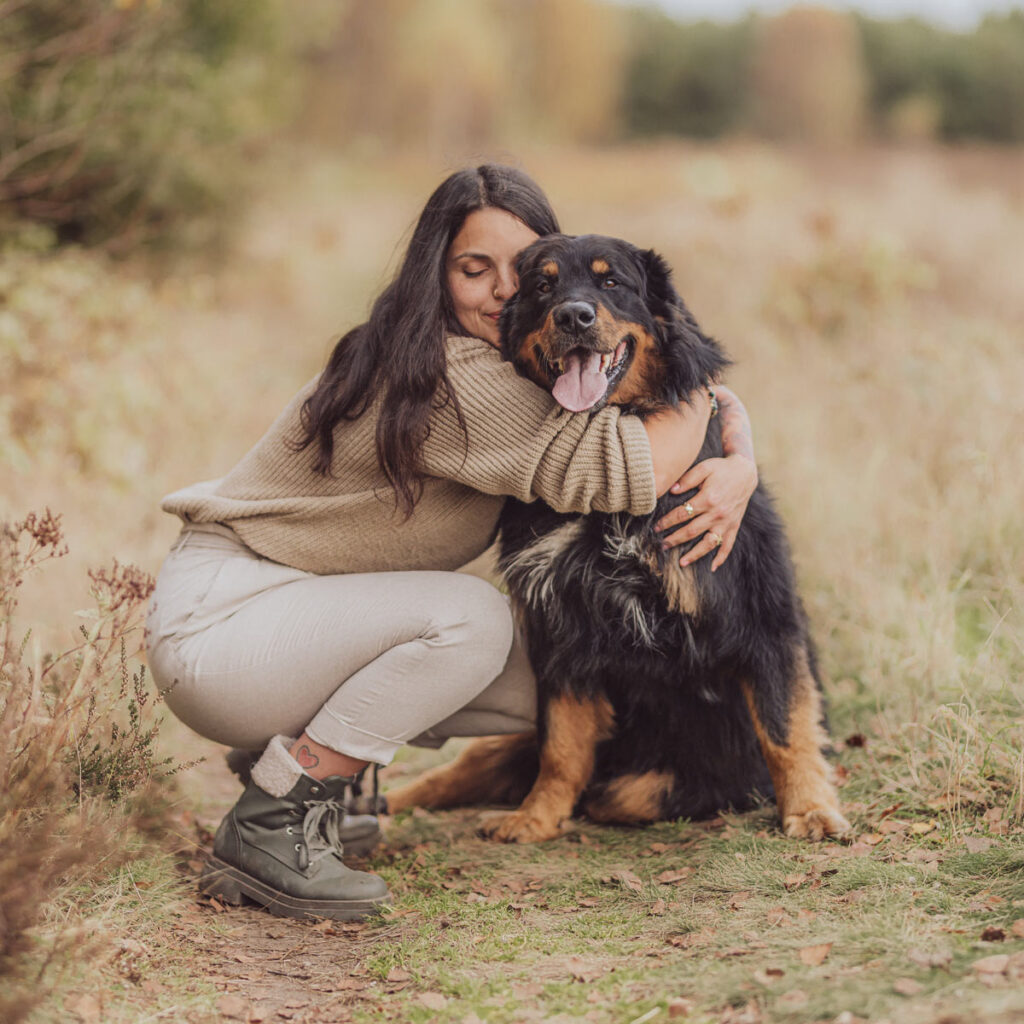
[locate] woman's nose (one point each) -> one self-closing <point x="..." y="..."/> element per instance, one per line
<point x="506" y="285"/>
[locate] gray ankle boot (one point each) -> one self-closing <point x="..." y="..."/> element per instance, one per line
<point x="285" y="854"/>
<point x="359" y="829"/>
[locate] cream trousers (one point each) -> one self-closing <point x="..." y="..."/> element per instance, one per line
<point x="246" y="648"/>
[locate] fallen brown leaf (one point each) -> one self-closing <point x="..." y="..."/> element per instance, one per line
<point x="85" y="1007"/>
<point x="527" y="990"/>
<point x="738" y="899"/>
<point x="672" y="876"/>
<point x="432" y="1000"/>
<point x="794" y="881"/>
<point x="792" y="1000"/>
<point x="978" y="844"/>
<point x="992" y="934"/>
<point x="628" y="880"/>
<point x="893" y="826"/>
<point x="907" y="986"/>
<point x="768" y="976"/>
<point x="1017" y="928"/>
<point x="657" y="908"/>
<point x="233" y="1007"/>
<point x="926" y="959"/>
<point x="814" y="955"/>
<point x="686" y="940"/>
<point x="777" y="917"/>
<point x="680" y="1007"/>
<point x="991" y="964"/>
<point x="870" y="838"/>
<point x="397" y="974"/>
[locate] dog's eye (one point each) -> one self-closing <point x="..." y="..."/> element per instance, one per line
<point x="544" y="287"/>
<point x="609" y="282"/>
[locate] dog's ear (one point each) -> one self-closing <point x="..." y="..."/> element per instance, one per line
<point x="694" y="357"/>
<point x="660" y="294"/>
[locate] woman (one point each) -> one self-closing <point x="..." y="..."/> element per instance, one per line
<point x="310" y="605"/>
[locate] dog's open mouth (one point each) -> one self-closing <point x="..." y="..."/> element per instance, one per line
<point x="585" y="375"/>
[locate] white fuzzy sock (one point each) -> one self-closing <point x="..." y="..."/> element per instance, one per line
<point x="276" y="772"/>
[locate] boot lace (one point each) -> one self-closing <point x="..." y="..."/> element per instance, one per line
<point x="320" y="830"/>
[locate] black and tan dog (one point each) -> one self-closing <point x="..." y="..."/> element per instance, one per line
<point x="664" y="692"/>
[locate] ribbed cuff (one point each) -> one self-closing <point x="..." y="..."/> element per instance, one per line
<point x="636" y="447"/>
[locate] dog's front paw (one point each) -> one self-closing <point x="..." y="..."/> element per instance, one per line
<point x="520" y="827"/>
<point x="816" y="823"/>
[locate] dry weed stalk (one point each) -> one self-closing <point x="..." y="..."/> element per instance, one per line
<point x="74" y="739"/>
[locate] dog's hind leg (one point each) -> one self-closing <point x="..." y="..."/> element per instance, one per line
<point x="573" y="728"/>
<point x="808" y="803"/>
<point x="490" y="770"/>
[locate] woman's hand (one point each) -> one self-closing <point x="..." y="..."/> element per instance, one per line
<point x="724" y="489"/>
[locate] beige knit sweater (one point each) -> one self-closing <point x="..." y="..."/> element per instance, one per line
<point x="520" y="442"/>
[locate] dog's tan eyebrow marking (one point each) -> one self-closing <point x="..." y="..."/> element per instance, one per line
<point x="550" y="269"/>
<point x="600" y="266"/>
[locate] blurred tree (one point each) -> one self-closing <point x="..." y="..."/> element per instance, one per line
<point x="685" y="79"/>
<point x="967" y="84"/>
<point x="808" y="77"/>
<point x="568" y="60"/>
<point x="450" y="76"/>
<point x="983" y="82"/>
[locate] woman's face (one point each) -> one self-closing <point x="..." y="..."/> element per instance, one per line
<point x="480" y="268"/>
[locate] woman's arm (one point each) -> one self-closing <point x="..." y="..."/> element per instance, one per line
<point x="724" y="487"/>
<point x="676" y="436"/>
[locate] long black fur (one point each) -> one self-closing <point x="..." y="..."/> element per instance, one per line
<point x="596" y="616"/>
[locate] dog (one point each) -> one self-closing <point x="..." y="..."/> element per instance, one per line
<point x="663" y="692"/>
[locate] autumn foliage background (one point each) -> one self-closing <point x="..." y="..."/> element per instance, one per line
<point x="196" y="199"/>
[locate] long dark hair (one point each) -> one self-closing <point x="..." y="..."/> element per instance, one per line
<point x="399" y="353"/>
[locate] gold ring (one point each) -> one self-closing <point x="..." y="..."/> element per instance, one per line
<point x="689" y="509"/>
<point x="715" y="537"/>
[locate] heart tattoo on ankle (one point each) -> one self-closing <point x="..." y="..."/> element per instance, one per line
<point x="306" y="757"/>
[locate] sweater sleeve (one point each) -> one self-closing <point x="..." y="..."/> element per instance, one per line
<point x="520" y="442"/>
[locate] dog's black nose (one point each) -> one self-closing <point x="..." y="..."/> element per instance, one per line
<point x="575" y="316"/>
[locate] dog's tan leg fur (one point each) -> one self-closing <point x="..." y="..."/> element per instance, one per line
<point x="808" y="803"/>
<point x="631" y="799"/>
<point x="479" y="775"/>
<point x="574" y="728"/>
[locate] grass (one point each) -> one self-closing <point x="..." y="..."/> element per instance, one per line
<point x="877" y="349"/>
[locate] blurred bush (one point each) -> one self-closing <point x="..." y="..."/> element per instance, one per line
<point x="66" y="320"/>
<point x="971" y="83"/>
<point x="685" y="79"/>
<point x="816" y="74"/>
<point x="121" y="119"/>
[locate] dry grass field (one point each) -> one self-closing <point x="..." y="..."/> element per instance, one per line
<point x="872" y="303"/>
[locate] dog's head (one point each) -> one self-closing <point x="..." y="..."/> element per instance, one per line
<point x="597" y="320"/>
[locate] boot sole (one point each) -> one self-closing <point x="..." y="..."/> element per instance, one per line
<point x="232" y="886"/>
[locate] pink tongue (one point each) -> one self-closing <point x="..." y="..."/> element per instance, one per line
<point x="582" y="384"/>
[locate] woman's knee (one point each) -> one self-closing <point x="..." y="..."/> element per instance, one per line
<point x="474" y="615"/>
